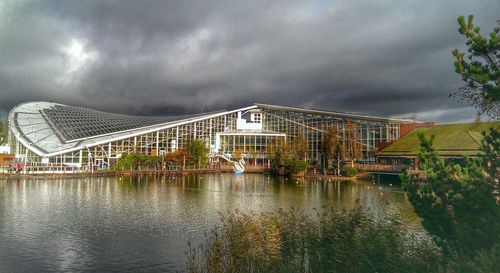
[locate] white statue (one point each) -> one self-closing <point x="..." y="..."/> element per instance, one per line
<point x="238" y="166"/>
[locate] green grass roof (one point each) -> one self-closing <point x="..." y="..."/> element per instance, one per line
<point x="451" y="139"/>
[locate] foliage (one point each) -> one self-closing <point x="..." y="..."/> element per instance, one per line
<point x="331" y="145"/>
<point x="480" y="68"/>
<point x="483" y="261"/>
<point x="351" y="145"/>
<point x="490" y="145"/>
<point x="290" y="156"/>
<point x="331" y="241"/>
<point x="456" y="202"/>
<point x="176" y="158"/>
<point x="134" y="161"/>
<point x="238" y="153"/>
<point x="252" y="154"/>
<point x="338" y="148"/>
<point x="280" y="154"/>
<point x="300" y="147"/>
<point x="350" y="171"/>
<point x="198" y="151"/>
<point x="295" y="165"/>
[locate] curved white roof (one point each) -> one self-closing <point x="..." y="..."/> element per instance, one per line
<point x="48" y="128"/>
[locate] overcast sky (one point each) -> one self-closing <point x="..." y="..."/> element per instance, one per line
<point x="386" y="58"/>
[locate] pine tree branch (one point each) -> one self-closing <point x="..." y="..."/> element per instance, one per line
<point x="492" y="63"/>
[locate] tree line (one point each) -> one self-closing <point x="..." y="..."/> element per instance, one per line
<point x="195" y="153"/>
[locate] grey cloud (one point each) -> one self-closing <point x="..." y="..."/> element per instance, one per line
<point x="387" y="58"/>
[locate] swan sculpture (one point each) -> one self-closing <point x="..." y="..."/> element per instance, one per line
<point x="238" y="166"/>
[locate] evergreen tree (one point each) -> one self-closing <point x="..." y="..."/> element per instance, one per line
<point x="490" y="145"/>
<point x="198" y="151"/>
<point x="457" y="202"/>
<point x="289" y="156"/>
<point x="480" y="68"/>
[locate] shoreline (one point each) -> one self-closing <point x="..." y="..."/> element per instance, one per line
<point x="162" y="172"/>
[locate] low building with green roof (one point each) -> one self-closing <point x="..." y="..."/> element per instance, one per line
<point x="451" y="141"/>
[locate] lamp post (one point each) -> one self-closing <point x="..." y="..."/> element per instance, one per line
<point x="26" y="156"/>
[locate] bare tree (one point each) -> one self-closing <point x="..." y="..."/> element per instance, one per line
<point x="351" y="144"/>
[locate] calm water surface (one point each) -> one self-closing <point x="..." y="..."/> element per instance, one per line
<point x="143" y="224"/>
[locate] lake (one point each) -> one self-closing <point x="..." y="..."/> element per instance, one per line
<point x="144" y="223"/>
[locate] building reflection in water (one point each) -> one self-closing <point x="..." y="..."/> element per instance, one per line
<point x="145" y="222"/>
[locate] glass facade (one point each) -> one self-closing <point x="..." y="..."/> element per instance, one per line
<point x="248" y="146"/>
<point x="85" y="138"/>
<point x="313" y="126"/>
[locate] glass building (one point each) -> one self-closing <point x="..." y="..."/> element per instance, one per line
<point x="56" y="134"/>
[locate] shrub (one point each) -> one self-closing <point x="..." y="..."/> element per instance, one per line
<point x="332" y="241"/>
<point x="295" y="165"/>
<point x="350" y="171"/>
<point x="134" y="161"/>
<point x="457" y="202"/>
<point x="482" y="261"/>
<point x="198" y="152"/>
<point x="177" y="158"/>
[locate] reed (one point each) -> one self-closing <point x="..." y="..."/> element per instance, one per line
<point x="325" y="241"/>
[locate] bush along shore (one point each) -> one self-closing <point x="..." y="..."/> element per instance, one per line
<point x="329" y="241"/>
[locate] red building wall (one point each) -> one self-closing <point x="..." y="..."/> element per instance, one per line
<point x="408" y="127"/>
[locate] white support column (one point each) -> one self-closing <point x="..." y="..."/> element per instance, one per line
<point x="217" y="143"/>
<point x="373" y="139"/>
<point x="367" y="139"/>
<point x="210" y="131"/>
<point x="176" y="138"/>
<point x="157" y="142"/>
<point x="80" y="159"/>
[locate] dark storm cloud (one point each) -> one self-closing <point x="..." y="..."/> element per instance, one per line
<point x="163" y="57"/>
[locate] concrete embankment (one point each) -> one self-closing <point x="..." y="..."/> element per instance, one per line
<point x="104" y="173"/>
<point x="73" y="173"/>
<point x="222" y="168"/>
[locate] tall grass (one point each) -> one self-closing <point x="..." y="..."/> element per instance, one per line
<point x="330" y="241"/>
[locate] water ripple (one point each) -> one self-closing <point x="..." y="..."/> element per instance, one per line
<point x="143" y="224"/>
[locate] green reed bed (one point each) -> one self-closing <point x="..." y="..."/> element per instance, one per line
<point x="329" y="241"/>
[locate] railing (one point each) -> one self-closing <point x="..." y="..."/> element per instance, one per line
<point x="379" y="168"/>
<point x="68" y="169"/>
